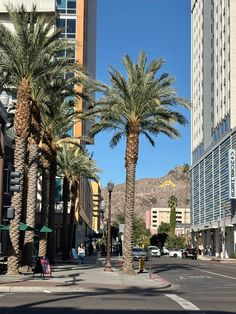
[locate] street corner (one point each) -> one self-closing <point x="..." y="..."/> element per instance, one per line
<point x="162" y="283"/>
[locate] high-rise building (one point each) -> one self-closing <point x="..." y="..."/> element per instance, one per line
<point x="213" y="125"/>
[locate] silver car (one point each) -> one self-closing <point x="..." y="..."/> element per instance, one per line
<point x="138" y="252"/>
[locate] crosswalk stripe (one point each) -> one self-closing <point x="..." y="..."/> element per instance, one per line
<point x="182" y="302"/>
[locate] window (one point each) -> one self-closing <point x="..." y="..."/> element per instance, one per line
<point x="69" y="26"/>
<point x="66" y="6"/>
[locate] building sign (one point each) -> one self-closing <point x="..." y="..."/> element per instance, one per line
<point x="232" y="174"/>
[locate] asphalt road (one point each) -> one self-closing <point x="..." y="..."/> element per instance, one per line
<point x="211" y="286"/>
<point x="198" y="286"/>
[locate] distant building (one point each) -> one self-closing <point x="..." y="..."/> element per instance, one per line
<point x="155" y="216"/>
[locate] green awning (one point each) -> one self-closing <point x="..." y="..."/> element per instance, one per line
<point x="4" y="227"/>
<point x="23" y="227"/>
<point x="46" y="229"/>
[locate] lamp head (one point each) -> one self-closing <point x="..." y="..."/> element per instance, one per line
<point x="110" y="186"/>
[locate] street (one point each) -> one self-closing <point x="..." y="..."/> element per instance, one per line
<point x="203" y="286"/>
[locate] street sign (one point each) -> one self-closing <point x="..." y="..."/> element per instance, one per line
<point x="232" y="174"/>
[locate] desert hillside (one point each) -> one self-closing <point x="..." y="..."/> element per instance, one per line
<point x="152" y="192"/>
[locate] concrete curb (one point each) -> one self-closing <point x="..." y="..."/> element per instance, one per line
<point x="16" y="289"/>
<point x="46" y="289"/>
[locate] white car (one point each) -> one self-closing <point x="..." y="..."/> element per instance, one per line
<point x="164" y="251"/>
<point x="154" y="251"/>
<point x="176" y="253"/>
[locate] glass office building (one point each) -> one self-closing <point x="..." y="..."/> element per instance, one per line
<point x="213" y="125"/>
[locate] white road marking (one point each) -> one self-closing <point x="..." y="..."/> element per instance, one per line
<point x="194" y="277"/>
<point x="47" y="291"/>
<point x="182" y="302"/>
<point x="210" y="272"/>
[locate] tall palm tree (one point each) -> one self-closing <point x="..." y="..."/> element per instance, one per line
<point x="172" y="203"/>
<point x="51" y="98"/>
<point x="25" y="56"/>
<point x="140" y="104"/>
<point x="73" y="163"/>
<point x="57" y="119"/>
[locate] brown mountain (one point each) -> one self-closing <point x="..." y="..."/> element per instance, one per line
<point x="153" y="192"/>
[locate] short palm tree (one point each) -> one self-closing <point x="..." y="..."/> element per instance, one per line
<point x="172" y="203"/>
<point x="140" y="104"/>
<point x="73" y="163"/>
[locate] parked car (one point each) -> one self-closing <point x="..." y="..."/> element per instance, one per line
<point x="138" y="252"/>
<point x="176" y="253"/>
<point x="190" y="253"/>
<point x="164" y="251"/>
<point x="154" y="251"/>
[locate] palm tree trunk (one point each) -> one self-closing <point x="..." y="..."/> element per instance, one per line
<point x="16" y="203"/>
<point x="74" y="188"/>
<point x="44" y="211"/>
<point x="66" y="190"/>
<point x="131" y="162"/>
<point x="51" y="214"/>
<point x="31" y="202"/>
<point x="21" y="126"/>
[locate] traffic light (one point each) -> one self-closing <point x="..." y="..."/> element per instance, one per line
<point x="15" y="181"/>
<point x="10" y="213"/>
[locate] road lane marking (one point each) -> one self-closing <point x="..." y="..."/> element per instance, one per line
<point x="194" y="277"/>
<point x="182" y="302"/>
<point x="212" y="273"/>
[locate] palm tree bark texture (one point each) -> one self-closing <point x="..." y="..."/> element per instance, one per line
<point x="130" y="164"/>
<point x="21" y="125"/>
<point x="33" y="163"/>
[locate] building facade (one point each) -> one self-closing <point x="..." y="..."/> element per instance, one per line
<point x="213" y="125"/>
<point x="155" y="216"/>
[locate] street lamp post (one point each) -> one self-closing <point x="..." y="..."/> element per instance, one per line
<point x="110" y="187"/>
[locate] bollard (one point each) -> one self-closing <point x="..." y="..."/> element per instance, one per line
<point x="140" y="265"/>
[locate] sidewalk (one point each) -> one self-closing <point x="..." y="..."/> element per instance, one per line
<point x="216" y="259"/>
<point x="70" y="277"/>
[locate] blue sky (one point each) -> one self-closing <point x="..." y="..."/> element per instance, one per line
<point x="161" y="28"/>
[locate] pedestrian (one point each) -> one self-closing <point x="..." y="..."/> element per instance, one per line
<point x="81" y="254"/>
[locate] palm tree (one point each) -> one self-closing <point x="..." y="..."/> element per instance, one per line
<point x="27" y="55"/>
<point x="73" y="163"/>
<point x="138" y="104"/>
<point x="172" y="203"/>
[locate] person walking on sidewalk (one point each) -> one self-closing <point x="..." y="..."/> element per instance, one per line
<point x="81" y="254"/>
